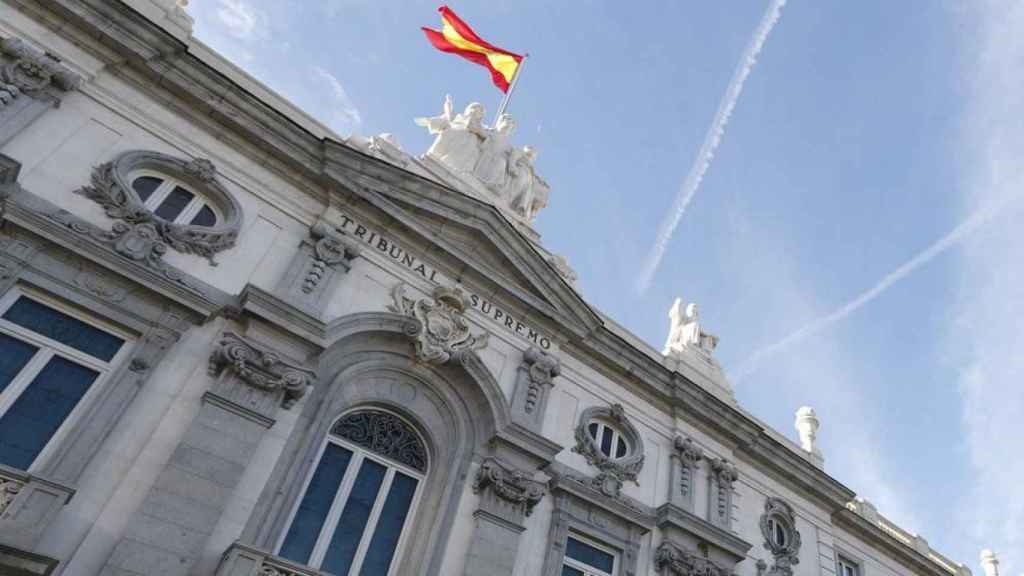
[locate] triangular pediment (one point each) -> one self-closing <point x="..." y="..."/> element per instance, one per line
<point x="474" y="233"/>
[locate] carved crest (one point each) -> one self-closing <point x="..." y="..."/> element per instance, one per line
<point x="441" y="331"/>
<point x="259" y="368"/>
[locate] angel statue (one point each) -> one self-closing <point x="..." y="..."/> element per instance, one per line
<point x="528" y="192"/>
<point x="686" y="331"/>
<point x="459" y="136"/>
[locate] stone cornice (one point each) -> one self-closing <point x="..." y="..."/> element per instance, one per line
<point x="564" y="478"/>
<point x="674" y="516"/>
<point x="876" y="537"/>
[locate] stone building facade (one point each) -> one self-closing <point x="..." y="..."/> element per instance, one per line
<point x="234" y="344"/>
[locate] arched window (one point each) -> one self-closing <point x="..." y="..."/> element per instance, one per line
<point x="172" y="200"/>
<point x="359" y="497"/>
<point x="189" y="208"/>
<point x="609" y="440"/>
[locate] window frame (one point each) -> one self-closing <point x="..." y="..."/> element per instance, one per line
<point x="617" y="436"/>
<point x="843" y="559"/>
<point x="168" y="183"/>
<point x="587" y="569"/>
<point x="47" y="349"/>
<point x="359" y="455"/>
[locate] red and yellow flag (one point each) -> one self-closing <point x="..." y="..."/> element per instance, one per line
<point x="456" y="37"/>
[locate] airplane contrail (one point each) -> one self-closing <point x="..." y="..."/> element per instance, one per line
<point x="958" y="234"/>
<point x="712" y="139"/>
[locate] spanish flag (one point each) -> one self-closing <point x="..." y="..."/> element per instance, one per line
<point x="458" y="38"/>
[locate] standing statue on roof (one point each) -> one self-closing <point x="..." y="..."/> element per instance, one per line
<point x="460" y="137"/>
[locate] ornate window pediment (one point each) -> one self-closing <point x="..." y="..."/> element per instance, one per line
<point x="181" y="201"/>
<point x="781" y="538"/>
<point x="610" y="443"/>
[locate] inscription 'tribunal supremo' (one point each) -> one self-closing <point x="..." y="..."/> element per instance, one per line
<point x="395" y="252"/>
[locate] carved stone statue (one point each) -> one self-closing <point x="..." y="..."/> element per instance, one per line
<point x="460" y="137"/>
<point x="481" y="160"/>
<point x="686" y="332"/>
<point x="492" y="168"/>
<point x="528" y="192"/>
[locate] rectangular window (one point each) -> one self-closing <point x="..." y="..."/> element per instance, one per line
<point x="585" y="558"/>
<point x="847" y="567"/>
<point x="49" y="362"/>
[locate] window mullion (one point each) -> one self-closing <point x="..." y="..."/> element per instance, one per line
<point x="23" y="379"/>
<point x="331" y="522"/>
<point x="189" y="211"/>
<point x="371" y="522"/>
<point x="159" y="195"/>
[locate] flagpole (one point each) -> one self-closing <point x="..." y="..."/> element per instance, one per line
<point x="511" y="88"/>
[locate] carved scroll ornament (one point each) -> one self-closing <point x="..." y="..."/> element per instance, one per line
<point x="441" y="331"/>
<point x="9" y="489"/>
<point x="542" y="368"/>
<point x="671" y="560"/>
<point x="508" y="484"/>
<point x="261" y="369"/>
<point x="31" y="71"/>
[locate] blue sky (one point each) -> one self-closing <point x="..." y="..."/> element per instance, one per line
<point x="866" y="132"/>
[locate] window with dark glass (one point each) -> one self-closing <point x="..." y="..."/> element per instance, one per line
<point x="585" y="558"/>
<point x="173" y="201"/>
<point x="49" y="362"/>
<point x="847" y="567"/>
<point x="609" y="440"/>
<point x="359" y="497"/>
<point x="777" y="530"/>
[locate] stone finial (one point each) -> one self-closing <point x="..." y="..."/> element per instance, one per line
<point x="807" y="425"/>
<point x="989" y="562"/>
<point x="685" y="332"/>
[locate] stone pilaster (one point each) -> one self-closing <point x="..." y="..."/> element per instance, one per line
<point x="167" y="533"/>
<point x="31" y="82"/>
<point x="323" y="258"/>
<point x="685" y="459"/>
<point x="720" y="481"/>
<point x="507" y="497"/>
<point x="534" y="381"/>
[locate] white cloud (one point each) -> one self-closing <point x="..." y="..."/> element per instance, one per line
<point x="242" y="20"/>
<point x="712" y="138"/>
<point x="986" y="333"/>
<point x="341" y="112"/>
<point x="825" y="374"/>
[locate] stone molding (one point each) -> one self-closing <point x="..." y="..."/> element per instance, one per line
<point x="242" y="560"/>
<point x="612" y="472"/>
<point x="787" y="555"/>
<point x="535" y="377"/>
<point x="580" y="508"/>
<point x="439" y="327"/>
<point x="720" y="489"/>
<point x="672" y="560"/>
<point x="687" y="529"/>
<point x="28" y="504"/>
<point x="511" y="485"/>
<point x="110" y="187"/>
<point x="259" y="368"/>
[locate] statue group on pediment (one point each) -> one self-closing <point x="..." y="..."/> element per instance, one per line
<point x="470" y="149"/>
